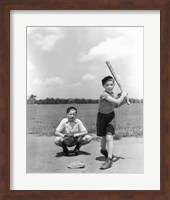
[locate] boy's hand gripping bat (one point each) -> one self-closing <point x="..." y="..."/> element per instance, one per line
<point x="115" y="77"/>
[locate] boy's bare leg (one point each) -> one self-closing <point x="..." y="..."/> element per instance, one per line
<point x="108" y="162"/>
<point x="83" y="140"/>
<point x="109" y="139"/>
<point x="103" y="143"/>
<point x="103" y="147"/>
<point x="59" y="142"/>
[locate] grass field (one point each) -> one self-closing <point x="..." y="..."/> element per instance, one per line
<point x="43" y="119"/>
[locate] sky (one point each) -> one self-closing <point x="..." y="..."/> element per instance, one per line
<point x="69" y="62"/>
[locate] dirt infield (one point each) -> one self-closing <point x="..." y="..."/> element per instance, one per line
<point x="43" y="156"/>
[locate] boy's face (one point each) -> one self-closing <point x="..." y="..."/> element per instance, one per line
<point x="109" y="85"/>
<point x="71" y="115"/>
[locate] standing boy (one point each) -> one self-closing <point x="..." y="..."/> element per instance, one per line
<point x="106" y="118"/>
<point x="71" y="125"/>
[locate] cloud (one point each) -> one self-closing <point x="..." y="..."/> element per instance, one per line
<point x="30" y="66"/>
<point x="53" y="81"/>
<point x="38" y="82"/>
<point x="49" y="82"/>
<point x="45" y="43"/>
<point x="109" y="49"/>
<point x="74" y="85"/>
<point x="44" y="37"/>
<point x="88" y="77"/>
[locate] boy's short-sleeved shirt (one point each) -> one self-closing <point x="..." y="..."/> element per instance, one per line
<point x="65" y="126"/>
<point x="105" y="106"/>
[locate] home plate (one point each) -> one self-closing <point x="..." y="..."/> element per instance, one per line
<point x="76" y="165"/>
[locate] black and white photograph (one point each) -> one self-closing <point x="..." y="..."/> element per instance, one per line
<point x="85" y="99"/>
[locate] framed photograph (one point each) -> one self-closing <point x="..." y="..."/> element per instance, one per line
<point x="84" y="100"/>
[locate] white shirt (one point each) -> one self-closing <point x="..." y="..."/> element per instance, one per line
<point x="66" y="126"/>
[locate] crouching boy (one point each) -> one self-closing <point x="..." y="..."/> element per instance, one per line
<point x="71" y="125"/>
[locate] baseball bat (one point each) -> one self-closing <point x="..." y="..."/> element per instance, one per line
<point x="116" y="79"/>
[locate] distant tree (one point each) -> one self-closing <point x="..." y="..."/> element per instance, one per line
<point x="70" y="101"/>
<point x="32" y="99"/>
<point x="33" y="96"/>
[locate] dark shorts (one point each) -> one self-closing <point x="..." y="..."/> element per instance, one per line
<point x="106" y="124"/>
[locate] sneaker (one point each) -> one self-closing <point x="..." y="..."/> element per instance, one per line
<point x="107" y="164"/>
<point x="77" y="150"/>
<point x="104" y="152"/>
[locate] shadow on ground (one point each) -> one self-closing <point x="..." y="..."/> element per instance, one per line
<point x="115" y="158"/>
<point x="72" y="154"/>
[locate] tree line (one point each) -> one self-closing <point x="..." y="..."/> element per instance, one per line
<point x="32" y="100"/>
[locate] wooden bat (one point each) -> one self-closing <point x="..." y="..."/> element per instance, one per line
<point x="116" y="79"/>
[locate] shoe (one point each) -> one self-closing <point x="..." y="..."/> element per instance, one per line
<point x="104" y="152"/>
<point x="65" y="151"/>
<point x="77" y="150"/>
<point x="107" y="164"/>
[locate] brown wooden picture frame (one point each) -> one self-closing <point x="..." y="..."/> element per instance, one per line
<point x="5" y="7"/>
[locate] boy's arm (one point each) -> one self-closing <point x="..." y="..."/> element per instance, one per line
<point x="82" y="129"/>
<point x="116" y="101"/>
<point x="59" y="134"/>
<point x="80" y="134"/>
<point x="122" y="103"/>
<point x="59" y="129"/>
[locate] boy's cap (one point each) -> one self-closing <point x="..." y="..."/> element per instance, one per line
<point x="106" y="78"/>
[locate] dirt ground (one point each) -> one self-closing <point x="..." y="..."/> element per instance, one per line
<point x="43" y="156"/>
